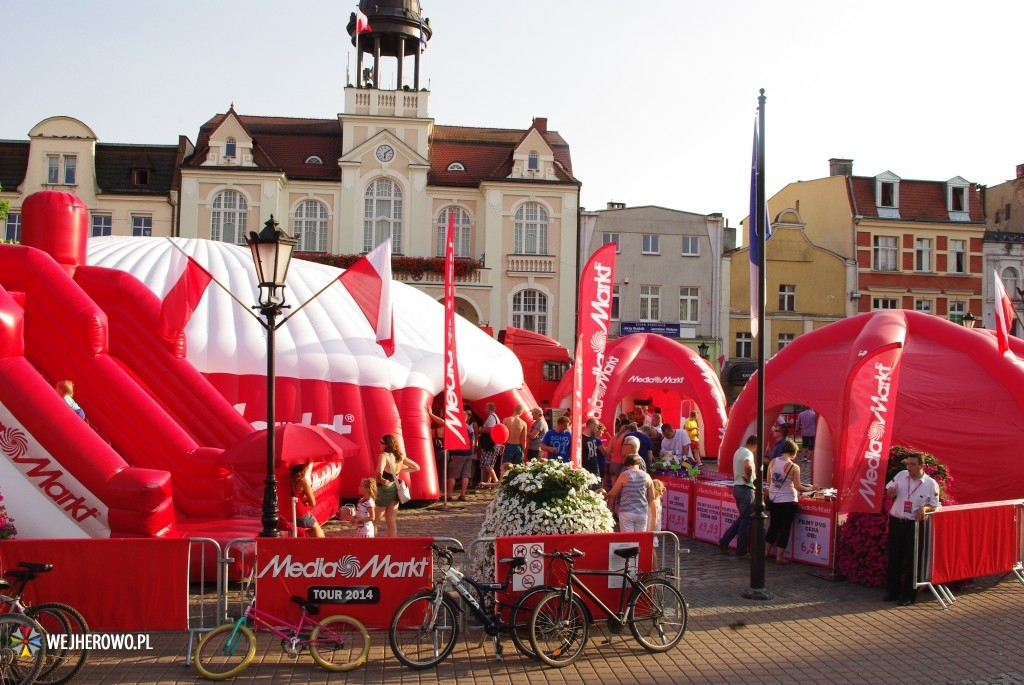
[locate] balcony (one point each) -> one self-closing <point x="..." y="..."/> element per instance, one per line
<point x="479" y="277"/>
<point x="531" y="265"/>
<point x="386" y="103"/>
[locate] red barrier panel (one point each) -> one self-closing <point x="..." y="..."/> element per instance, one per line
<point x="959" y="551"/>
<point x="599" y="549"/>
<point x="366" y="578"/>
<point x="707" y="517"/>
<point x="126" y="585"/>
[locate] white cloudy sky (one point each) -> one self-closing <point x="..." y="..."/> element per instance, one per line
<point x="655" y="97"/>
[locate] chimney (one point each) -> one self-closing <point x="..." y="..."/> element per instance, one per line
<point x="1020" y="171"/>
<point x="541" y="124"/>
<point x="616" y="205"/>
<point x="840" y="167"/>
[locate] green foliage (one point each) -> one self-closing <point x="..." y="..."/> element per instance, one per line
<point x="5" y="207"/>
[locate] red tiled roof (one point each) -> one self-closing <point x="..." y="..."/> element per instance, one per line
<point x="918" y="200"/>
<point x="285" y="143"/>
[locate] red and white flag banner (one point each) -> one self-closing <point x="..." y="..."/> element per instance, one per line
<point x="190" y="282"/>
<point x="362" y="22"/>
<point x="871" y="404"/>
<point x="456" y="436"/>
<point x="368" y="281"/>
<point x="595" y="314"/>
<point x="1005" y="314"/>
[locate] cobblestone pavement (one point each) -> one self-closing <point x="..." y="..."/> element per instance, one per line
<point x="812" y="631"/>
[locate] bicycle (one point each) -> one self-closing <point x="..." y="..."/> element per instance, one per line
<point x="65" y="656"/>
<point x="425" y="626"/>
<point x="22" y="649"/>
<point x="653" y="610"/>
<point x="337" y="643"/>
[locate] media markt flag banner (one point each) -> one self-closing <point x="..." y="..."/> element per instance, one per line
<point x="595" y="315"/>
<point x="871" y="405"/>
<point x="456" y="437"/>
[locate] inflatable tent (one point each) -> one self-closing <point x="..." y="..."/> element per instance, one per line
<point x="168" y="447"/>
<point x="898" y="377"/>
<point x="643" y="365"/>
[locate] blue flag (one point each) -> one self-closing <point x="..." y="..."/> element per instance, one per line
<point x="754" y="235"/>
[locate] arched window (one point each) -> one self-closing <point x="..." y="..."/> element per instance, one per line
<point x="533" y="164"/>
<point x="462" y="231"/>
<point x="530" y="311"/>
<point x="531" y="229"/>
<point x="227" y="222"/>
<point x="229" y="147"/>
<point x="1011" y="279"/>
<point x="382" y="215"/>
<point x="310" y="226"/>
<point x="456" y="166"/>
<point x="313" y="159"/>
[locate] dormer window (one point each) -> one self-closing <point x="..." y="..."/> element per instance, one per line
<point x="140" y="177"/>
<point x="887" y="195"/>
<point x="313" y="159"/>
<point x="957" y="199"/>
<point x="229" y="148"/>
<point x="456" y="166"/>
<point x="534" y="162"/>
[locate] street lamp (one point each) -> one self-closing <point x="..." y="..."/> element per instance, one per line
<point x="702" y="349"/>
<point x="271" y="253"/>
<point x="969" y="320"/>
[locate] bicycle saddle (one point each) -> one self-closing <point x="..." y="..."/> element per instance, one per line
<point x="627" y="552"/>
<point x="513" y="562"/>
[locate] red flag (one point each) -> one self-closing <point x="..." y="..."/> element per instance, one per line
<point x="595" y="314"/>
<point x="456" y="436"/>
<point x="362" y="23"/>
<point x="368" y="281"/>
<point x="722" y="359"/>
<point x="190" y="282"/>
<point x="1005" y="314"/>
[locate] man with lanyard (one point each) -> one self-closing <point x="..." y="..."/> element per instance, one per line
<point x="743" y="493"/>
<point x="914" y="494"/>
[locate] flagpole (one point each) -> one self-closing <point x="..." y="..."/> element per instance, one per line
<point x="757" y="588"/>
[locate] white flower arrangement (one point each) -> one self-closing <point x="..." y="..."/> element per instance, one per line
<point x="542" y="497"/>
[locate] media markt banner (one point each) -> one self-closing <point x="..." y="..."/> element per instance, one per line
<point x="366" y="578"/>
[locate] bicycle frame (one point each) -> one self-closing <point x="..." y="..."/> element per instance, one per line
<point x="616" y="618"/>
<point x="298" y="637"/>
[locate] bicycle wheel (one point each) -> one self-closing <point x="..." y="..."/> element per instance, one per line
<point x="64" y="658"/>
<point x="657" y="615"/>
<point x="422" y="632"/>
<point x="558" y="629"/>
<point x="520" y="619"/>
<point x="225" y="651"/>
<point x="339" y="643"/>
<point x="22" y="649"/>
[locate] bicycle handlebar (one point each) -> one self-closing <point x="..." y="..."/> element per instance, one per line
<point x="570" y="556"/>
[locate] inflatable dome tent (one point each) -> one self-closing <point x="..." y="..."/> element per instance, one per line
<point x="898" y="377"/>
<point x="642" y="365"/>
<point x="169" y="449"/>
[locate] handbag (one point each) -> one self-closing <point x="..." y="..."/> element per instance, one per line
<point x="402" y="489"/>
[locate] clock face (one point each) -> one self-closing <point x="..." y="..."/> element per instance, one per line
<point x="385" y="153"/>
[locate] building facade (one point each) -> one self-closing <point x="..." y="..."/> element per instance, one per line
<point x="667" y="265"/>
<point x="1004" y="247"/>
<point x="129" y="189"/>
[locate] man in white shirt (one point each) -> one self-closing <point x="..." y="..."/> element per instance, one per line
<point x="914" y="494"/>
<point x="677" y="442"/>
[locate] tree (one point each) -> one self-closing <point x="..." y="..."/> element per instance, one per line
<point x="5" y="206"/>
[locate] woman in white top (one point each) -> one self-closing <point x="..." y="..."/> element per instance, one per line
<point x="783" y="486"/>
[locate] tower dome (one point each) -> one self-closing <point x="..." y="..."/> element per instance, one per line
<point x="397" y="29"/>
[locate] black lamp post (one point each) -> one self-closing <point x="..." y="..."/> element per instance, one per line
<point x="969" y="320"/>
<point x="702" y="349"/>
<point x="271" y="253"/>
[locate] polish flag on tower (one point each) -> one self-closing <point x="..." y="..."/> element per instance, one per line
<point x="190" y="281"/>
<point x="362" y="23"/>
<point x="1005" y="315"/>
<point x="368" y="281"/>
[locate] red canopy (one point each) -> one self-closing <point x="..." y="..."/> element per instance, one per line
<point x="904" y="378"/>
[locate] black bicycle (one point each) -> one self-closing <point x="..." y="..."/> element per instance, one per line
<point x="425" y="626"/>
<point x="649" y="605"/>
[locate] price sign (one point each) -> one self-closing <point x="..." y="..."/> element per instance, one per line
<point x="812" y="532"/>
<point x="677" y="503"/>
<point x="729" y="514"/>
<point x="707" y="516"/>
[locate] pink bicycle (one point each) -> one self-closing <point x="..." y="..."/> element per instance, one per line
<point x="336" y="643"/>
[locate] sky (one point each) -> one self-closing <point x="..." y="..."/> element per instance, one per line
<point x="656" y="98"/>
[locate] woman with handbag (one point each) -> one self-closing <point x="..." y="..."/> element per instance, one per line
<point x="390" y="464"/>
<point x="783" y="486"/>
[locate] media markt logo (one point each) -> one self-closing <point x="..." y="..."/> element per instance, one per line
<point x="348" y="566"/>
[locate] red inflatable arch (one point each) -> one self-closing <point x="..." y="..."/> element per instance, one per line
<point x="643" y="365"/>
<point x="898" y="377"/>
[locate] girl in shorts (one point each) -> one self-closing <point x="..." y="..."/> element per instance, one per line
<point x="304" y="500"/>
<point x="366" y="510"/>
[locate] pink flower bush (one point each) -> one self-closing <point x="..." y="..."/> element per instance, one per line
<point x="860" y="546"/>
<point x="7" y="529"/>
